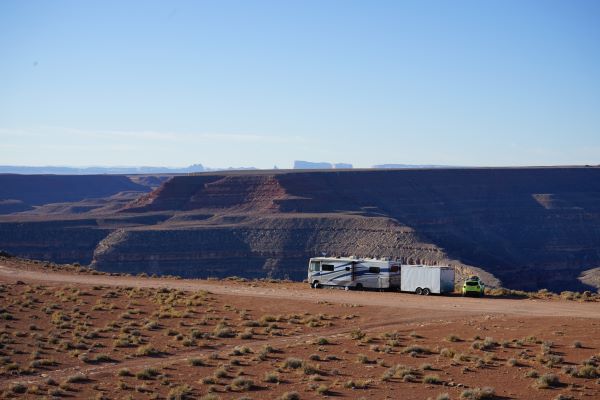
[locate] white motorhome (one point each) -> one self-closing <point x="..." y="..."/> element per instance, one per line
<point x="354" y="273"/>
<point x="425" y="279"/>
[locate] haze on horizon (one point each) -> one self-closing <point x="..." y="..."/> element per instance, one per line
<point x="264" y="83"/>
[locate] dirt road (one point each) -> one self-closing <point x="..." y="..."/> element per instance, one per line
<point x="526" y="307"/>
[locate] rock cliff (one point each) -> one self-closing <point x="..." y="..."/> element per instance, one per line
<point x="529" y="228"/>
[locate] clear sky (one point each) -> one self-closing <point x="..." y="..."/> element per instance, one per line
<point x="261" y="83"/>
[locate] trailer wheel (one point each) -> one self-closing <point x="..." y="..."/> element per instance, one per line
<point x="426" y="292"/>
<point x="316" y="285"/>
<point x="346" y="288"/>
<point x="359" y="286"/>
<point x="419" y="291"/>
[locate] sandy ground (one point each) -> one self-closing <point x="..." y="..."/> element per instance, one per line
<point x="325" y="343"/>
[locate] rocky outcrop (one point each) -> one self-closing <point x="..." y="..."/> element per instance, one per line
<point x="274" y="246"/>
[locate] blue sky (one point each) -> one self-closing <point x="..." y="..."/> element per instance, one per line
<point x="260" y="83"/>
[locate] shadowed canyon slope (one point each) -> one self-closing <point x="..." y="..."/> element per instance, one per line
<point x="529" y="227"/>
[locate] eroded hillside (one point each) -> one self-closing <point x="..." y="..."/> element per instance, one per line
<point x="529" y="227"/>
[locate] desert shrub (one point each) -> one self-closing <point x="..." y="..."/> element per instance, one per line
<point x="357" y="334"/>
<point x="242" y="384"/>
<point x="432" y="379"/>
<point x="7" y="317"/>
<point x="311" y="370"/>
<point x="42" y="363"/>
<point x="322" y="390"/>
<point x="362" y="359"/>
<point x="426" y="367"/>
<point x="293" y="363"/>
<point x="124" y="372"/>
<point x="18" y="388"/>
<point x="577" y="344"/>
<point x="563" y="397"/>
<point x="208" y="380"/>
<point x="445" y="352"/>
<point x="360" y="384"/>
<point x="532" y="374"/>
<point x="271" y="377"/>
<point x="222" y="331"/>
<point x="453" y="338"/>
<point x="443" y="396"/>
<point x="290" y="396"/>
<point x="247" y="334"/>
<point x="197" y="362"/>
<point x="322" y="341"/>
<point x="240" y="350"/>
<point x="181" y="392"/>
<point x="147" y="351"/>
<point x="51" y="382"/>
<point x="587" y="371"/>
<point x="56" y="392"/>
<point x="568" y="370"/>
<point x="103" y="358"/>
<point x="77" y="378"/>
<point x="511" y="362"/>
<point x="210" y="396"/>
<point x="416" y="349"/>
<point x="478" y="393"/>
<point x="147" y="374"/>
<point x="487" y="344"/>
<point x="265" y="319"/>
<point x="221" y="373"/>
<point x="551" y="360"/>
<point x="151" y="325"/>
<point x="409" y="378"/>
<point x="547" y="380"/>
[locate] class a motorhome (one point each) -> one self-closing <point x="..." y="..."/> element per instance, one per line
<point x="370" y="273"/>
<point x="354" y="273"/>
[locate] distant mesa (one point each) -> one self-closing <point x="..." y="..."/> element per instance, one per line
<point x="320" y="165"/>
<point x="393" y="166"/>
<point x="11" y="169"/>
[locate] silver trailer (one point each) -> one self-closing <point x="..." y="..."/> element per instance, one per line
<point x="354" y="273"/>
<point x="422" y="279"/>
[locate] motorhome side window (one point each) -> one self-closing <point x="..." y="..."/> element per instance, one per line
<point x="374" y="270"/>
<point x="315" y="266"/>
<point x="327" y="267"/>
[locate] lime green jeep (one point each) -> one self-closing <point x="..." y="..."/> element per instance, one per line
<point x="473" y="287"/>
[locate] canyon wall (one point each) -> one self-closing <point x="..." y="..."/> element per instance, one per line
<point x="526" y="228"/>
